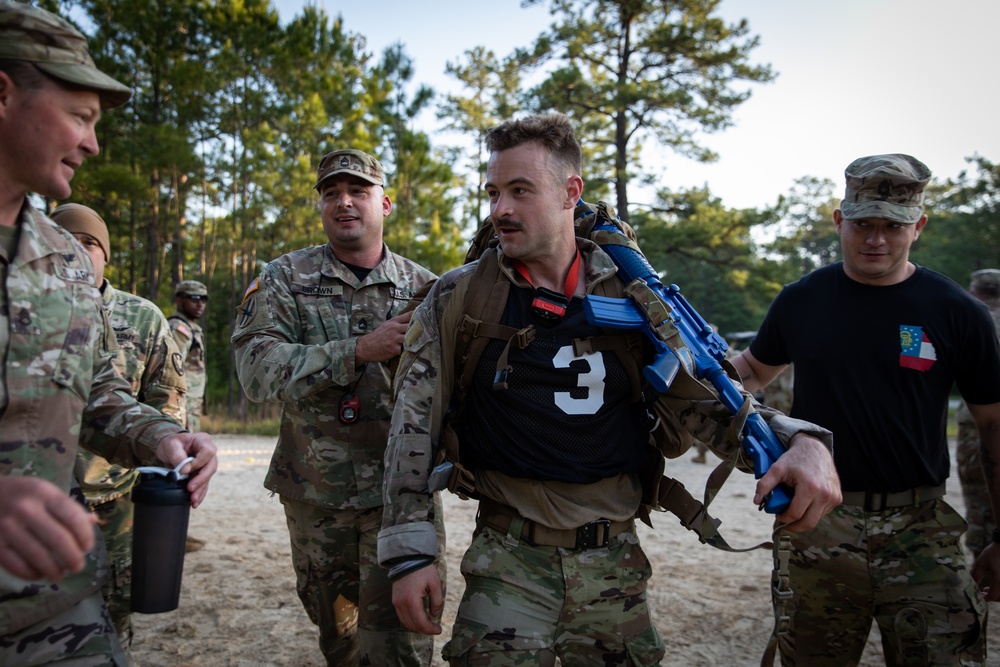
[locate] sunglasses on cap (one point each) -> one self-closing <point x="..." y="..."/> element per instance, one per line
<point x="195" y="297"/>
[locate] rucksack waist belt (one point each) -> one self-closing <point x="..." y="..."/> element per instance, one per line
<point x="876" y="501"/>
<point x="588" y="536"/>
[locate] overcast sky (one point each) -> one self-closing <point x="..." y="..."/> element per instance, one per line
<point x="855" y="77"/>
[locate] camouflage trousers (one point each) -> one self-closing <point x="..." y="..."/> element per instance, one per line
<point x="903" y="567"/>
<point x="346" y="593"/>
<point x="115" y="520"/>
<point x="527" y="605"/>
<point x="81" y="636"/>
<point x="978" y="512"/>
<point x="193" y="407"/>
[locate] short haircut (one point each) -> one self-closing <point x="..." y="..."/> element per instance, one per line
<point x="23" y="73"/>
<point x="551" y="131"/>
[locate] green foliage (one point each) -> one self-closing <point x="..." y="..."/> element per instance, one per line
<point x="492" y="87"/>
<point x="963" y="229"/>
<point x="805" y="235"/>
<point x="692" y="240"/>
<point x="629" y="71"/>
<point x="423" y="226"/>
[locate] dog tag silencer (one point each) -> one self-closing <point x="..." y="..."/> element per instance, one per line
<point x="349" y="409"/>
<point x="549" y="305"/>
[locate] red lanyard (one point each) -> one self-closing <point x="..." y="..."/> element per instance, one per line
<point x="572" y="278"/>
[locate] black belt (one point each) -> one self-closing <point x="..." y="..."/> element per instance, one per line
<point x="588" y="536"/>
<point x="876" y="501"/>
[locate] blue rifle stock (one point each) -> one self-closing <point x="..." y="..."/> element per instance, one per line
<point x="707" y="350"/>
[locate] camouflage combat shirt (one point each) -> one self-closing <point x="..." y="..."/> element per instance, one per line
<point x="61" y="388"/>
<point x="295" y="337"/>
<point x="424" y="385"/>
<point x="190" y="340"/>
<point x="148" y="359"/>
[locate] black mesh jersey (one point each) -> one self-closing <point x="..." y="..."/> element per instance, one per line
<point x="561" y="417"/>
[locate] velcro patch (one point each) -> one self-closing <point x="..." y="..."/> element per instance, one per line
<point x="184" y="330"/>
<point x="254" y="286"/>
<point x="413" y="333"/>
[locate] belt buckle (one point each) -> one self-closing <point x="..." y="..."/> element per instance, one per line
<point x="870" y="504"/>
<point x="589" y="537"/>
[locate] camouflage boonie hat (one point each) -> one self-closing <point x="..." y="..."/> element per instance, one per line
<point x="191" y="287"/>
<point x="350" y="161"/>
<point x="985" y="280"/>
<point x="55" y="47"/>
<point x="885" y="186"/>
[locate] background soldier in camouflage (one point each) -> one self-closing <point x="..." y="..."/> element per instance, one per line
<point x="316" y="331"/>
<point x="555" y="568"/>
<point x="58" y="383"/>
<point x="149" y="361"/>
<point x="877" y="344"/>
<point x="985" y="286"/>
<point x="190" y="300"/>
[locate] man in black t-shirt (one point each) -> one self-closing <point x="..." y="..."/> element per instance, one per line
<point x="877" y="343"/>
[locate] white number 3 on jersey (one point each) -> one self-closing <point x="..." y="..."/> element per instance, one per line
<point x="592" y="381"/>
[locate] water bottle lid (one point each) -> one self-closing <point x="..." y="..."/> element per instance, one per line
<point x="172" y="475"/>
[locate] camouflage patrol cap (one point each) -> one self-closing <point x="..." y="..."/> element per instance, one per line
<point x="55" y="47"/>
<point x="191" y="287"/>
<point x="80" y="219"/>
<point x="987" y="280"/>
<point x="350" y="161"/>
<point x="885" y="186"/>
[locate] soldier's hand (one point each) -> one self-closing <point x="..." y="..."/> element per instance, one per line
<point x="808" y="468"/>
<point x="175" y="448"/>
<point x="419" y="600"/>
<point x="986" y="572"/>
<point x="44" y="533"/>
<point x="385" y="342"/>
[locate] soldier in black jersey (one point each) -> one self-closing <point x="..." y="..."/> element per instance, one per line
<point x="555" y="436"/>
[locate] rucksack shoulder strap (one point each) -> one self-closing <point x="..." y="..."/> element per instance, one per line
<point x="483" y="310"/>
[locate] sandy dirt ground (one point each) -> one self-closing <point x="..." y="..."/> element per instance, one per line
<point x="238" y="606"/>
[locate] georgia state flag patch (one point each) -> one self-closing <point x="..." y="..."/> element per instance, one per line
<point x="916" y="349"/>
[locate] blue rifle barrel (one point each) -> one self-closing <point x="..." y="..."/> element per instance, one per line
<point x="708" y="349"/>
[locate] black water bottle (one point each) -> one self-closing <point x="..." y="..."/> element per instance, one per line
<point x="159" y="530"/>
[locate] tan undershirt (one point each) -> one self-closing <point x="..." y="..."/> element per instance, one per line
<point x="562" y="505"/>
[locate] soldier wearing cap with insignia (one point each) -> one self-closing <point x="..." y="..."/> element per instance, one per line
<point x="149" y="361"/>
<point x="190" y="301"/>
<point x="58" y="384"/>
<point x="316" y="330"/>
<point x="877" y="342"/>
<point x="985" y="286"/>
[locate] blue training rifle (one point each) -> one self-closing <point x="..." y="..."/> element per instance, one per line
<point x="707" y="349"/>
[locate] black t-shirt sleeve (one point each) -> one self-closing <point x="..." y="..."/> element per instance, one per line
<point x="769" y="346"/>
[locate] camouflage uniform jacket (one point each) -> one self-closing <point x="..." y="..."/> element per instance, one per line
<point x="424" y="386"/>
<point x="190" y="340"/>
<point x="295" y="336"/>
<point x="148" y="359"/>
<point x="61" y="388"/>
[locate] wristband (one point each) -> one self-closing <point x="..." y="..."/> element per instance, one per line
<point x="404" y="567"/>
<point x="996" y="535"/>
